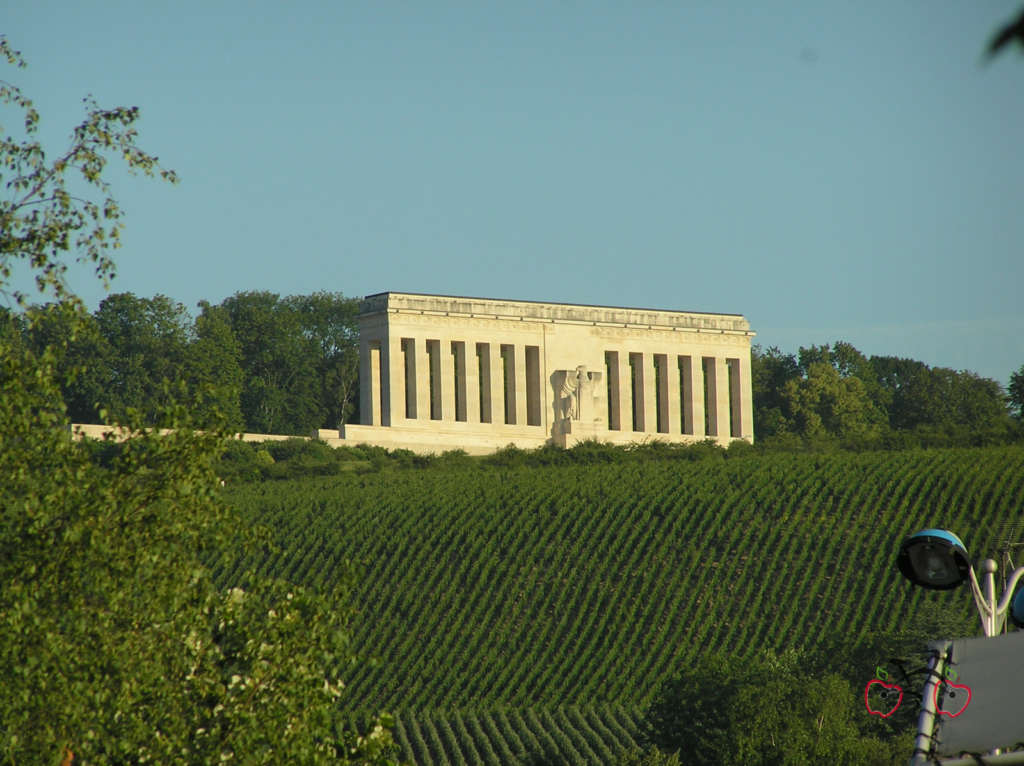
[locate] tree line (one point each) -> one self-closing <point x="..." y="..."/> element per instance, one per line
<point x="265" y="363"/>
<point x="289" y="365"/>
<point x="834" y="394"/>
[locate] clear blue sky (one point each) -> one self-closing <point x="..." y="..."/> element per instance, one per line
<point x="830" y="170"/>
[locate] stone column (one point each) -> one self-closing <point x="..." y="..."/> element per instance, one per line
<point x="411" y="403"/>
<point x="692" y="371"/>
<point x="741" y="396"/>
<point x="436" y="388"/>
<point x="497" y="375"/>
<point x="532" y="385"/>
<point x="710" y="399"/>
<point x="611" y="372"/>
<point x="511" y="384"/>
<point x="486" y="371"/>
<point x="422" y="372"/>
<point x="650" y="409"/>
<point x="660" y="394"/>
<point x="447" y="362"/>
<point x="722" y="393"/>
<point x="392" y="382"/>
<point x="670" y="394"/>
<point x="374" y="393"/>
<point x="508" y="378"/>
<point x="747" y="398"/>
<point x="625" y="392"/>
<point x="365" y="384"/>
<point x="639" y="392"/>
<point x="458" y="350"/>
<point x="718" y="397"/>
<point x="472" y="368"/>
<point x="520" y="384"/>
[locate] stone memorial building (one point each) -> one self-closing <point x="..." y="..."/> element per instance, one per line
<point x="442" y="372"/>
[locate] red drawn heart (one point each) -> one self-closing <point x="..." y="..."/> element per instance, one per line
<point x="950" y="693"/>
<point x="885" y="686"/>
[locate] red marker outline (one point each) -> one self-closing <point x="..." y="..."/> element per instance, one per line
<point x="935" y="696"/>
<point x="884" y="685"/>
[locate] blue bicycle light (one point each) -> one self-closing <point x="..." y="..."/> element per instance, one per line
<point x="934" y="558"/>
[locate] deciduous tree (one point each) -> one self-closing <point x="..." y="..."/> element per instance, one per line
<point x="770" y="370"/>
<point x="147" y="341"/>
<point x="849" y="362"/>
<point x="299" y="358"/>
<point x="214" y="368"/>
<point x="824" y="404"/>
<point x="764" y="710"/>
<point x="278" y="363"/>
<point x="941" y="398"/>
<point x="1016" y="392"/>
<point x="331" y="321"/>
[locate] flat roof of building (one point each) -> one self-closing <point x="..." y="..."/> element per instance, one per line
<point x="394" y="302"/>
<point x="549" y="303"/>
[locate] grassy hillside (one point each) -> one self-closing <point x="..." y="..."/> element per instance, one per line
<point x="484" y="587"/>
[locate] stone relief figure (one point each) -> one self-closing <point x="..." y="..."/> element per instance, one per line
<point x="577" y="393"/>
<point x="566" y="387"/>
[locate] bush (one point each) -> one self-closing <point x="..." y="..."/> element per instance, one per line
<point x="292" y="449"/>
<point x="453" y="458"/>
<point x="765" y="710"/>
<point x="507" y="457"/>
<point x="705" y="450"/>
<point x="740" y="448"/>
<point x="101" y="452"/>
<point x="593" y="451"/>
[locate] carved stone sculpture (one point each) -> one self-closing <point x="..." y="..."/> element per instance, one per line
<point x="577" y="394"/>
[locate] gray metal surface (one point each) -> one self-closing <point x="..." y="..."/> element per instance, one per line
<point x="993" y="670"/>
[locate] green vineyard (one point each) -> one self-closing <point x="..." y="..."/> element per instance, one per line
<point x="520" y="612"/>
<point x="513" y="736"/>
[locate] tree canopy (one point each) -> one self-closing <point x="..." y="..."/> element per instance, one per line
<point x="765" y="710"/>
<point x="263" y="363"/>
<point x="1016" y="392"/>
<point x="299" y="359"/>
<point x="834" y="392"/>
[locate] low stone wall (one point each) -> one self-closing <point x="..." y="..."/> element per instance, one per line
<point x="446" y="436"/>
<point x="93" y="431"/>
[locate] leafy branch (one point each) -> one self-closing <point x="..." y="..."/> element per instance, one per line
<point x="40" y="217"/>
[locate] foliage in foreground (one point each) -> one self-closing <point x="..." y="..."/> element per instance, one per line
<point x="115" y="644"/>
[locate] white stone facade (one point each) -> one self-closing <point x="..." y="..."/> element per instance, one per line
<point x="440" y="372"/>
